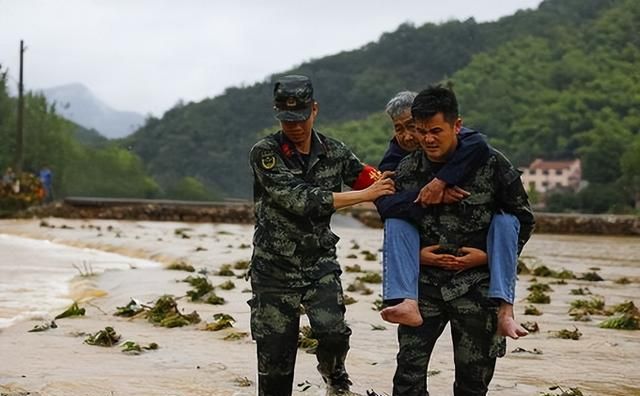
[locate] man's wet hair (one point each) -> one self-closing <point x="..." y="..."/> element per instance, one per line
<point x="401" y="102"/>
<point x="433" y="100"/>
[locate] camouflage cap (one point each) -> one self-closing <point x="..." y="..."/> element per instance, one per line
<point x="293" y="98"/>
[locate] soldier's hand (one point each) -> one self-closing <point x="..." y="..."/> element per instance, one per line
<point x="383" y="186"/>
<point x="471" y="257"/>
<point x="432" y="193"/>
<point x="387" y="174"/>
<point x="428" y="256"/>
<point x="454" y="194"/>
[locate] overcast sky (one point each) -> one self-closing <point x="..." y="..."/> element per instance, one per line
<point x="145" y="55"/>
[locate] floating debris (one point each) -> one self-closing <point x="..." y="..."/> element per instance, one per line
<point x="236" y="335"/>
<point x="43" y="327"/>
<point x="568" y="334"/>
<point x="182" y="232"/>
<point x="360" y="287"/>
<point x="532" y="310"/>
<point x="228" y="285"/>
<point x="73" y="310"/>
<point x="353" y="268"/>
<point x="181" y="265"/>
<point x="431" y="373"/>
<point x="534" y="351"/>
<point x="222" y="321"/>
<point x="531" y="327"/>
<point x="622" y="281"/>
<point x="165" y="313"/>
<point x="242" y="381"/>
<point x="244" y="246"/>
<point x="591" y="277"/>
<point x="538" y="297"/>
<point x="354" y="245"/>
<point x="628" y="317"/>
<point x="568" y="392"/>
<point x="580" y="291"/>
<point x="129" y="310"/>
<point x="201" y="249"/>
<point x="378" y="327"/>
<point x="348" y="300"/>
<point x="544" y="271"/>
<point x="378" y="305"/>
<point x="104" y="338"/>
<point x="241" y="265"/>
<point x="368" y="256"/>
<point x="225" y="270"/>
<point x="370" y="277"/>
<point x="593" y="306"/>
<point x="86" y="271"/>
<point x="540" y="287"/>
<point x="201" y="287"/>
<point x="133" y="348"/>
<point x="352" y="256"/>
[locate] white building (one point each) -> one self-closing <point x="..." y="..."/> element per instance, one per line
<point x="543" y="176"/>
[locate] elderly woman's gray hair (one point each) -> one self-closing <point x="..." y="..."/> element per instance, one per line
<point x="400" y="103"/>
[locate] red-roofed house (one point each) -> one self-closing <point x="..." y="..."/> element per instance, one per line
<point x="544" y="176"/>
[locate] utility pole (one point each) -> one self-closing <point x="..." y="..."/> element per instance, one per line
<point x="19" y="134"/>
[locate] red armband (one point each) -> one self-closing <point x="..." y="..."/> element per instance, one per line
<point x="367" y="177"/>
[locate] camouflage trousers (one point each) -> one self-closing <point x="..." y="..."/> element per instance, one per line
<point x="275" y="322"/>
<point x="473" y="319"/>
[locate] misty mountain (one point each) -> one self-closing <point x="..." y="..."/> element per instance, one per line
<point x="78" y="104"/>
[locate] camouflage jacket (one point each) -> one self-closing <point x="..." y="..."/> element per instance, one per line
<point x="495" y="186"/>
<point x="293" y="242"/>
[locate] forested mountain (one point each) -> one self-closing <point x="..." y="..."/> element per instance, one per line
<point x="210" y="140"/>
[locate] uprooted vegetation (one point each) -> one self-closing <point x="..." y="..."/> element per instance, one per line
<point x="181" y="265"/>
<point x="360" y="287"/>
<point x="627" y="317"/>
<point x="532" y="310"/>
<point x="563" y="392"/>
<point x="567" y="334"/>
<point x="73" y="310"/>
<point x="203" y="290"/>
<point x="370" y="277"/>
<point x="104" y="338"/>
<point x="545" y="272"/>
<point x="538" y="297"/>
<point x="165" y="313"/>
<point x="221" y="321"/>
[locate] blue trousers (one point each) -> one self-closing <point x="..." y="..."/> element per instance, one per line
<point x="401" y="258"/>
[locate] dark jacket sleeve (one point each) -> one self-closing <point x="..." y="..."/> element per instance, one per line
<point x="472" y="151"/>
<point x="399" y="205"/>
<point x="392" y="156"/>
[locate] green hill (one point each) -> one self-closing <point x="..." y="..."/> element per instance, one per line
<point x="210" y="139"/>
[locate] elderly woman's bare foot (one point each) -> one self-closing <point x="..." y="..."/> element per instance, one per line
<point x="406" y="313"/>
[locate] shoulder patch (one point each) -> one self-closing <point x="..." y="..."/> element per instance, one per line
<point x="268" y="161"/>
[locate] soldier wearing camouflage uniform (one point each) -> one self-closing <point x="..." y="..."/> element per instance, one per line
<point x="298" y="177"/>
<point x="454" y="278"/>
